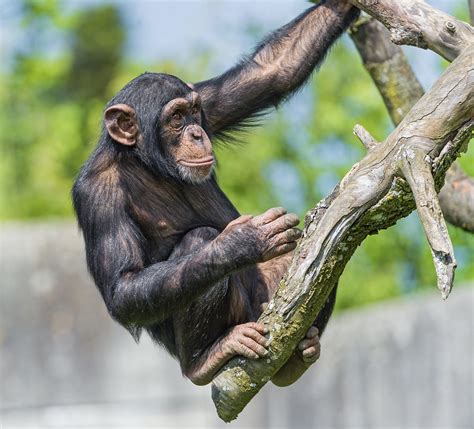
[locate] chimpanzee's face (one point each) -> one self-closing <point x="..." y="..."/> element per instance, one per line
<point x="184" y="140"/>
<point x="166" y="127"/>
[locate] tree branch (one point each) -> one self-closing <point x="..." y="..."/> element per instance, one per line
<point x="364" y="136"/>
<point x="413" y="22"/>
<point x="372" y="196"/>
<point x="400" y="90"/>
<point x="388" y="67"/>
<point x="416" y="168"/>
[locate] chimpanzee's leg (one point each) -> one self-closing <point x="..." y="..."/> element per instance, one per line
<point x="223" y="306"/>
<point x="235" y="300"/>
<point x="274" y="270"/>
<point x="308" y="349"/>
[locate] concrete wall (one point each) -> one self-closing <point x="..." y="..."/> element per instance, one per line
<point x="65" y="363"/>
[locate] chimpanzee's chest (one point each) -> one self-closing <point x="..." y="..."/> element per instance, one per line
<point x="166" y="211"/>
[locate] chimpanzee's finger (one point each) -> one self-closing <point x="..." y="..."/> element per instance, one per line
<point x="239" y="220"/>
<point x="280" y="250"/>
<point x="256" y="336"/>
<point x="287" y="236"/>
<point x="269" y="216"/>
<point x="282" y="224"/>
<point x="254" y="346"/>
<point x="311" y="354"/>
<point x="243" y="350"/>
<point x="260" y="327"/>
<point x="312" y="332"/>
<point x="306" y="344"/>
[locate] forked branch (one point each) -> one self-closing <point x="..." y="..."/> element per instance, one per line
<point x="400" y="90"/>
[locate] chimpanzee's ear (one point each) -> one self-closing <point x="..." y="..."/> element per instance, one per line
<point x="121" y="123"/>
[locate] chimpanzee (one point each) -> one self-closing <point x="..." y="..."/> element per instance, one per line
<point x="166" y="248"/>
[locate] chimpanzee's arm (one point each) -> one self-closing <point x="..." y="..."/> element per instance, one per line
<point x="278" y="67"/>
<point x="138" y="294"/>
<point x="236" y="342"/>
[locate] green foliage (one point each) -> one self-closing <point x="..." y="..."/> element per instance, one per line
<point x="97" y="45"/>
<point x="50" y="114"/>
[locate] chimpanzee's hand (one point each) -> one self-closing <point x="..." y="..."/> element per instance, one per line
<point x="261" y="238"/>
<point x="309" y="348"/>
<point x="246" y="340"/>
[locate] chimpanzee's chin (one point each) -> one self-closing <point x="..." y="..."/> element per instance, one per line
<point x="194" y="175"/>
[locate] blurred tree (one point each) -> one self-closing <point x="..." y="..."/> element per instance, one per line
<point x="50" y="106"/>
<point x="97" y="42"/>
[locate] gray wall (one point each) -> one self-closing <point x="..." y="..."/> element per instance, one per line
<point x="64" y="363"/>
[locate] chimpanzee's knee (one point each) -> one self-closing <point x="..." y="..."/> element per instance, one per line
<point x="193" y="240"/>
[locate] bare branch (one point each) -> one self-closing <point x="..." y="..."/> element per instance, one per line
<point x="413" y="22"/>
<point x="388" y="67"/>
<point x="416" y="167"/>
<point x="364" y="136"/>
<point x="372" y="196"/>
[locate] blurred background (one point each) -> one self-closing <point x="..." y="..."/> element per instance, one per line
<point x="394" y="354"/>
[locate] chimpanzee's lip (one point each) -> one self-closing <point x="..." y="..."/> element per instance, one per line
<point x="202" y="162"/>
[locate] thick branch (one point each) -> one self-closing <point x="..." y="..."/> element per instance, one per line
<point x="400" y="90"/>
<point x="371" y="197"/>
<point x="413" y="22"/>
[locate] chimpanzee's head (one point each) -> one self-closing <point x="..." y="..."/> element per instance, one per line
<point x="159" y="117"/>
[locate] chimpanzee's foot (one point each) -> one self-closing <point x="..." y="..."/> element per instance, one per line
<point x="309" y="348"/>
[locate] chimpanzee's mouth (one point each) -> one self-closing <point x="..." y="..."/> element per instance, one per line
<point x="202" y="162"/>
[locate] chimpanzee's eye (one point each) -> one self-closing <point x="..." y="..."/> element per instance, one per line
<point x="177" y="120"/>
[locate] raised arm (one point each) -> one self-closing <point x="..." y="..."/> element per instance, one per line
<point x="277" y="68"/>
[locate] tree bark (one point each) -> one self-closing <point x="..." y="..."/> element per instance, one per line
<point x="400" y="90"/>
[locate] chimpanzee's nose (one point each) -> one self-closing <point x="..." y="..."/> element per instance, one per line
<point x="196" y="133"/>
